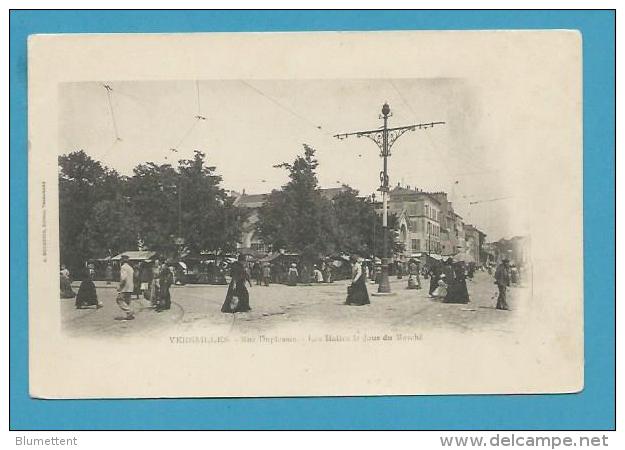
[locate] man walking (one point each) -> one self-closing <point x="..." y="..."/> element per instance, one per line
<point x="502" y="280"/>
<point x="125" y="289"/>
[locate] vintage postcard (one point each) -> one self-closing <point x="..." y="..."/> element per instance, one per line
<point x="305" y="214"/>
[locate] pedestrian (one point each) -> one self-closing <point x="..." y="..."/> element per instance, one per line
<point x="441" y="288"/>
<point x="136" y="280"/>
<point x="108" y="274"/>
<point x="237" y="297"/>
<point x="66" y="283"/>
<point x="471" y="271"/>
<point x="125" y="288"/>
<point x="166" y="279"/>
<point x="400" y="269"/>
<point x="257" y="273"/>
<point x="155" y="285"/>
<point x="378" y="272"/>
<point x="327" y="273"/>
<point x="266" y="273"/>
<point x="276" y="272"/>
<point x="502" y="280"/>
<point x="221" y="273"/>
<point x="435" y="276"/>
<point x="317" y="275"/>
<point x="91" y="271"/>
<point x="357" y="292"/>
<point x="414" y="281"/>
<point x="145" y="278"/>
<point x="87" y="295"/>
<point x="293" y="275"/>
<point x="457" y="291"/>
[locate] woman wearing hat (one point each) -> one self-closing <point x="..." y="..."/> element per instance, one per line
<point x="357" y="292"/>
<point x="293" y="275"/>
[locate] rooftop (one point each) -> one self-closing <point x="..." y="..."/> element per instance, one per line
<point x="257" y="200"/>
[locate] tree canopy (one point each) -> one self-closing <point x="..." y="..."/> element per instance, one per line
<point x="103" y="213"/>
<point x="300" y="219"/>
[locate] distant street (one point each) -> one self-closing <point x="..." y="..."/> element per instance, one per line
<point x="196" y="308"/>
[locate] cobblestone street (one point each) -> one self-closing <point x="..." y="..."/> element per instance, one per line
<point x="196" y="308"/>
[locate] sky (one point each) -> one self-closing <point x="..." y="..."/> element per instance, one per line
<point x="250" y="126"/>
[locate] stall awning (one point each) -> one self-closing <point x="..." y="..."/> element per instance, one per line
<point x="136" y="255"/>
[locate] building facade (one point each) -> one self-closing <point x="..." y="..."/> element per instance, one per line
<point x="475" y="240"/>
<point x="428" y="224"/>
<point x="419" y="216"/>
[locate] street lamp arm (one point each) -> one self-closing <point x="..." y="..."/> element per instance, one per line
<point x="393" y="134"/>
<point x="417" y="126"/>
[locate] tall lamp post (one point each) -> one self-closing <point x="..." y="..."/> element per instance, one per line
<point x="179" y="240"/>
<point x="384" y="139"/>
<point x="375" y="219"/>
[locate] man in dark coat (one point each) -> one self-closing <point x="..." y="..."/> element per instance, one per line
<point x="166" y="279"/>
<point x="502" y="280"/>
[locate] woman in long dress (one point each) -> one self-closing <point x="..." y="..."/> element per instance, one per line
<point x="87" y="295"/>
<point x="237" y="289"/>
<point x="457" y="292"/>
<point x="293" y="275"/>
<point x="357" y="292"/>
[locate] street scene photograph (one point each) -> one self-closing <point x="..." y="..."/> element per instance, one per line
<point x="246" y="206"/>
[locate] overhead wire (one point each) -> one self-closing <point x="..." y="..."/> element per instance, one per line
<point x="286" y="108"/>
<point x="109" y="90"/>
<point x="197" y="118"/>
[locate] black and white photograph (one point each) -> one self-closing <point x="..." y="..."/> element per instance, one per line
<point x="308" y="212"/>
<point x="243" y="206"/>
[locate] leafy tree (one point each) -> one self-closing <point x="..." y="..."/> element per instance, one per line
<point x="297" y="218"/>
<point x="209" y="220"/>
<point x="102" y="212"/>
<point x="186" y="202"/>
<point x="153" y="197"/>
<point x="356" y="220"/>
<point x="82" y="183"/>
<point x="113" y="227"/>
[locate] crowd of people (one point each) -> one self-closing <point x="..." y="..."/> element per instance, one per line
<point x="152" y="280"/>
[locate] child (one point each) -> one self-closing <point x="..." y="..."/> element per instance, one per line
<point x="441" y="290"/>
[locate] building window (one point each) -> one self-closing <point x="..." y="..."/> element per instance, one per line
<point x="416" y="245"/>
